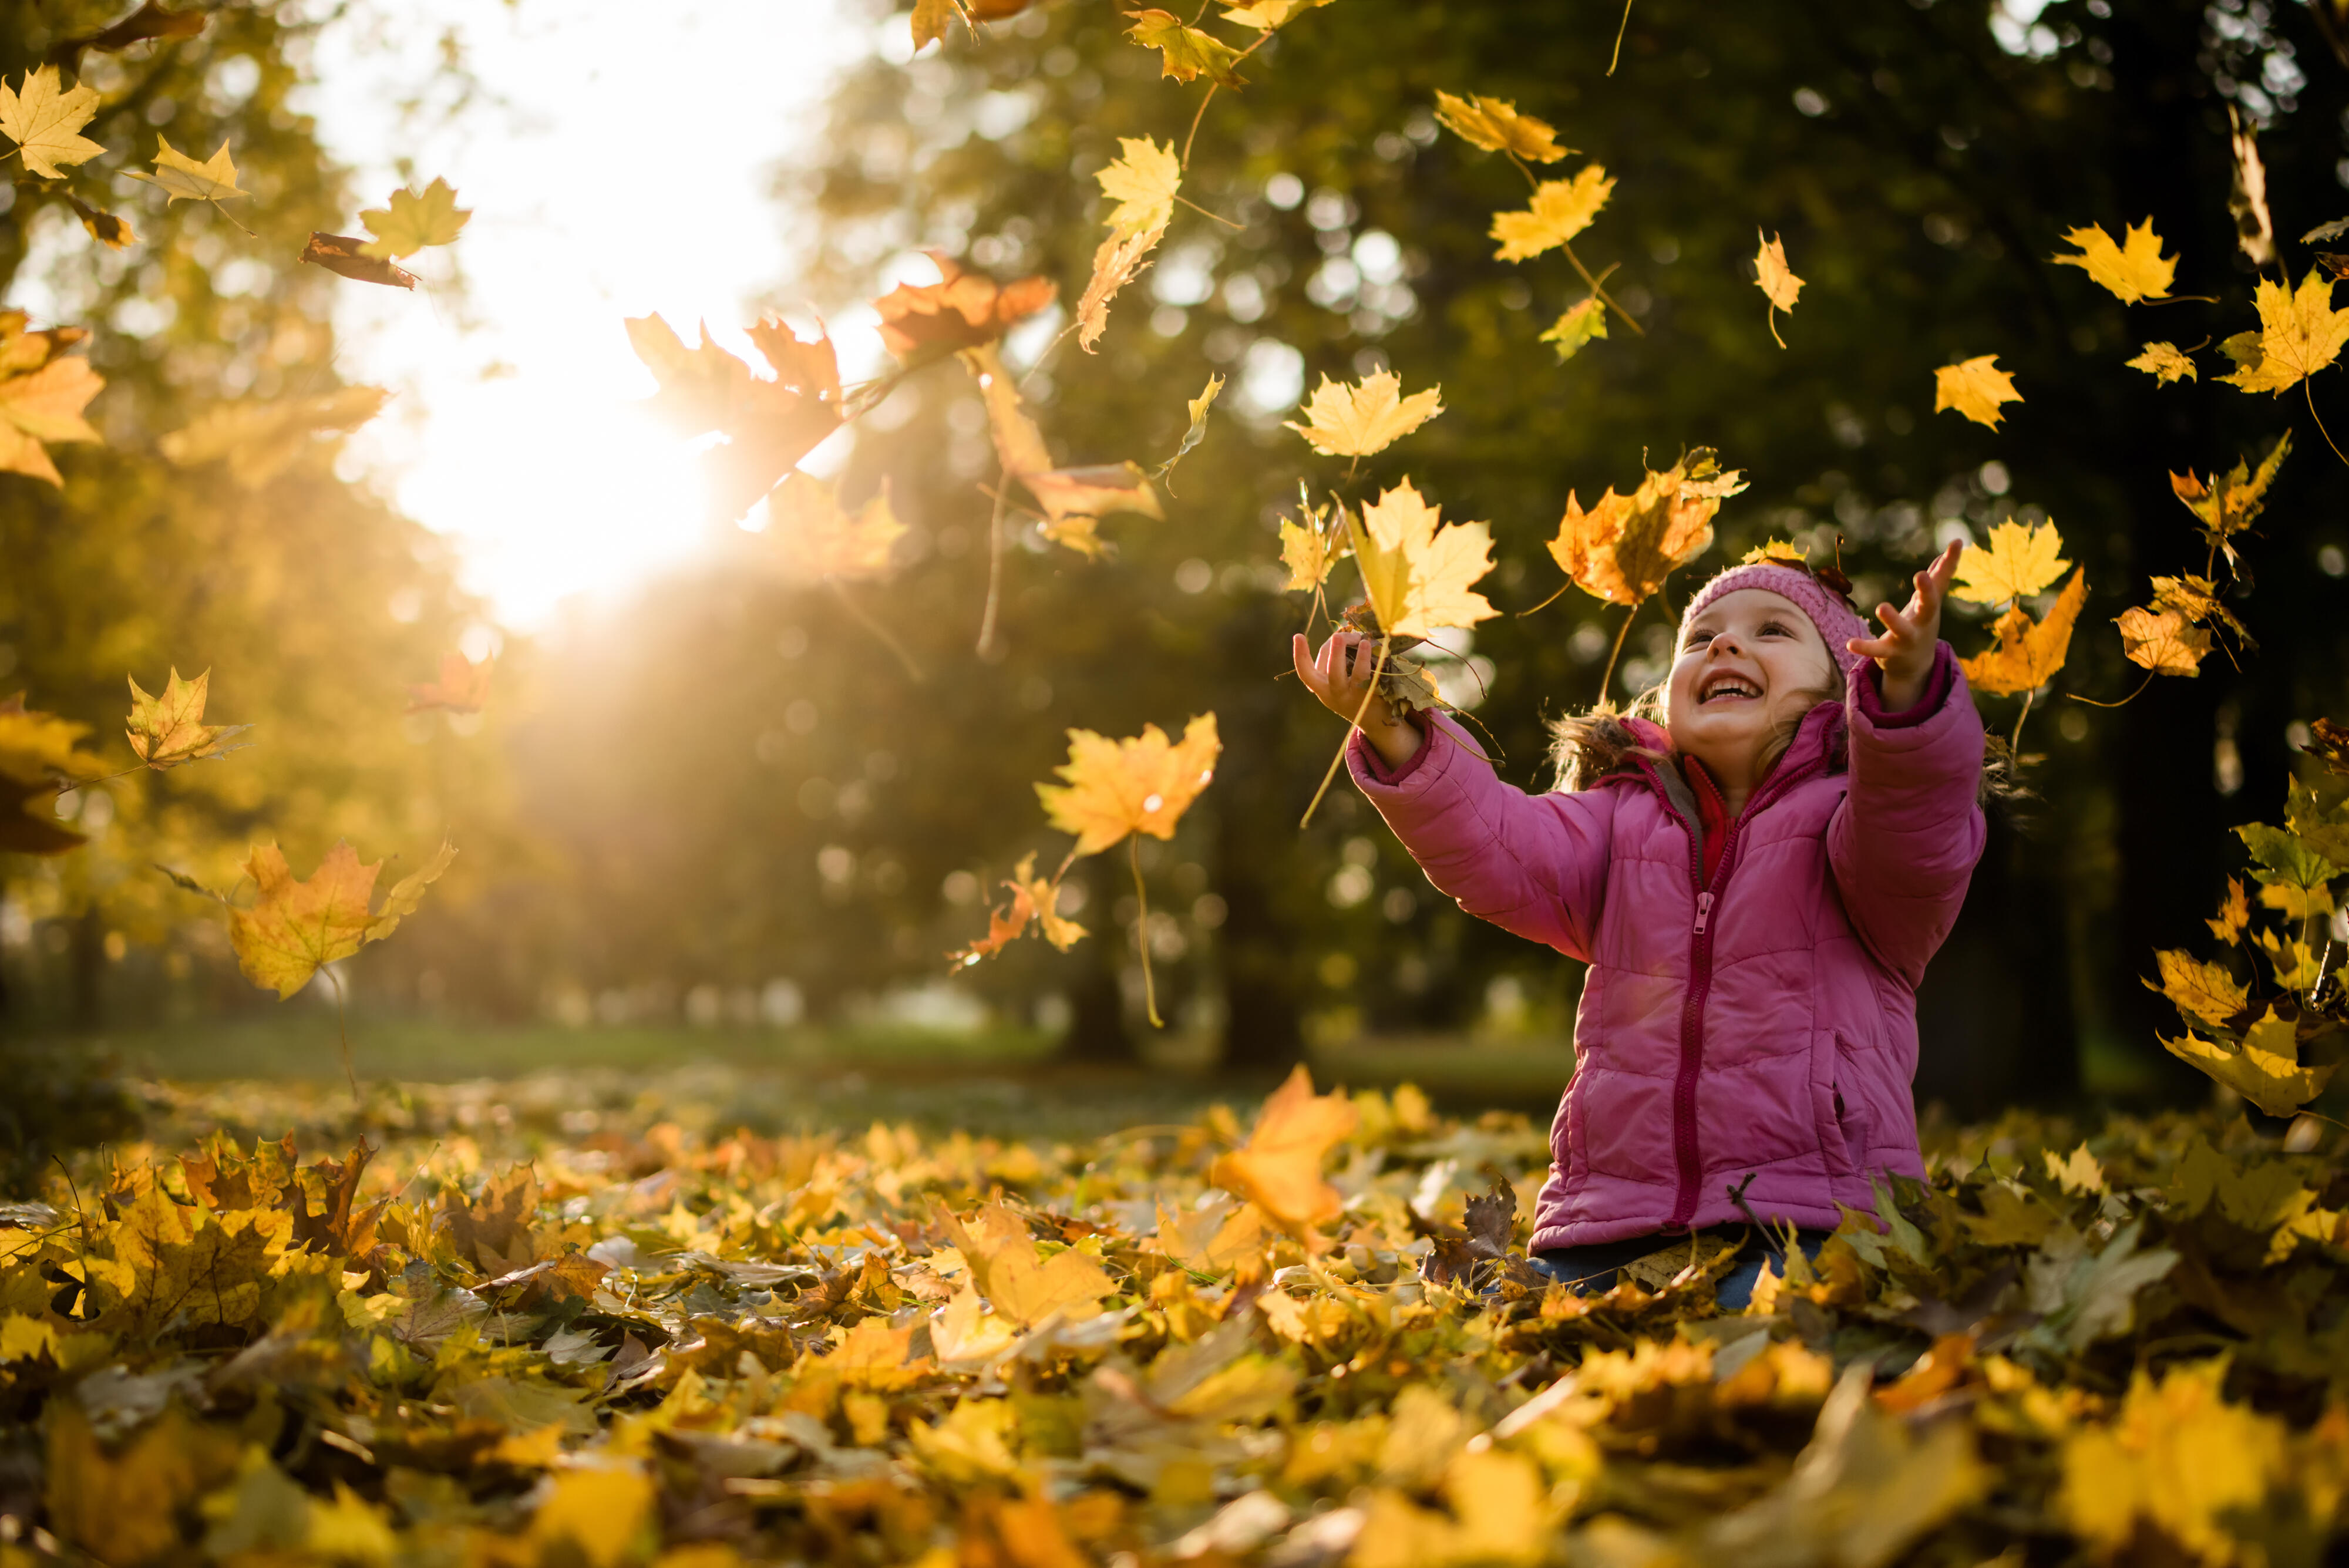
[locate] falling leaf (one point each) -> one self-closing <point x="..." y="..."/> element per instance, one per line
<point x="1623" y="548"/>
<point x="2329" y="743"/>
<point x="1265" y="16"/>
<point x="463" y="686"/>
<point x="150" y="21"/>
<point x="2165" y="362"/>
<point x="2264" y="1069"/>
<point x="2018" y="561"/>
<point x="1195" y="431"/>
<point x="185" y="180"/>
<point x="1975" y="387"/>
<point x="258" y="440"/>
<point x="2227" y="504"/>
<point x="2234" y="914"/>
<point x="817" y="537"/>
<point x="413" y="221"/>
<point x="109" y="229"/>
<point x="2162" y="642"/>
<point x="1365" y="418"/>
<point x="1495" y="125"/>
<point x="1417" y="570"/>
<point x="2247" y="201"/>
<point x="1278" y="1170"/>
<point x="961" y="310"/>
<point x="39" y="755"/>
<point x="1560" y="210"/>
<point x="44" y="118"/>
<point x="1582" y="322"/>
<point x="2204" y="991"/>
<point x="1186" y="52"/>
<point x="2196" y="600"/>
<point x="1139" y="785"/>
<point x="1142" y="180"/>
<point x="1116" y="262"/>
<point x="1032" y="898"/>
<point x="169" y="730"/>
<point x="932" y="19"/>
<point x="2132" y="271"/>
<point x="2028" y="652"/>
<point x="42" y="395"/>
<point x="1074" y="499"/>
<point x="769" y="425"/>
<point x="1308" y="551"/>
<point x="2299" y="333"/>
<point x="296" y="928"/>
<point x="1776" y="280"/>
<point x="346" y="256"/>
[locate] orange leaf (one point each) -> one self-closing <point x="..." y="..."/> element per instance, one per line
<point x="1623" y="548"/>
<point x="1139" y="785"/>
<point x="961" y="310"/>
<point x="1279" y="1167"/>
<point x="2028" y="652"/>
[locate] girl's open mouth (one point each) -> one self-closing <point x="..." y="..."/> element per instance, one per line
<point x="1727" y="685"/>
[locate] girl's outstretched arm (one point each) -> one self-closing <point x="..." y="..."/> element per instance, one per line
<point x="1534" y="865"/>
<point x="1904" y="843"/>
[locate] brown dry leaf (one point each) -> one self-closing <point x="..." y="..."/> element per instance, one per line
<point x="2027" y="652"/>
<point x="1032" y="898"/>
<point x="150" y="21"/>
<point x="1139" y="785"/>
<point x="1623" y="548"/>
<point x="1495" y="125"/>
<point x="961" y="310"/>
<point x="1278" y="1170"/>
<point x="109" y="229"/>
<point x="2162" y="642"/>
<point x="169" y="730"/>
<point x="346" y="256"/>
<point x="1974" y="387"/>
<point x="42" y="394"/>
<point x="814" y="536"/>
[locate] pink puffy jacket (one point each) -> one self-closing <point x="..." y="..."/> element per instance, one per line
<point x="1762" y="1027"/>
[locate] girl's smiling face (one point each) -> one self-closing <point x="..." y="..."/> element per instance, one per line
<point x="1749" y="663"/>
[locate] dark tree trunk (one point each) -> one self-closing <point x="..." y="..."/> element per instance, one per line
<point x="1994" y="1016"/>
<point x="1097" y="1025"/>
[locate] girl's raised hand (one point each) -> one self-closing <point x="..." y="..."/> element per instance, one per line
<point x="1905" y="651"/>
<point x="1339" y="675"/>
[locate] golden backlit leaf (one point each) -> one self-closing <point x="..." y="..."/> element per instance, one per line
<point x="1143" y="785"/>
<point x="814" y="536"/>
<point x="409" y="892"/>
<point x="294" y="928"/>
<point x="463" y="686"/>
<point x="1560" y="210"/>
<point x="932" y="19"/>
<point x="1185" y="52"/>
<point x="2196" y="600"/>
<point x="169" y="730"/>
<point x="769" y="425"/>
<point x="259" y="441"/>
<point x="2165" y="362"/>
<point x="185" y="180"/>
<point x="1418" y="571"/>
<point x="1142" y="180"/>
<point x="2299" y="333"/>
<point x="1578" y="324"/>
<point x="2017" y="561"/>
<point x="1278" y="1170"/>
<point x="2265" y="1069"/>
<point x="2027" y="653"/>
<point x="44" y="118"/>
<point x="1195" y="431"/>
<point x="1367" y="417"/>
<point x="412" y="221"/>
<point x="1074" y="499"/>
<point x="2130" y="271"/>
<point x="2209" y="992"/>
<point x="1974" y="387"/>
<point x="1777" y="281"/>
<point x="2162" y="642"/>
<point x="43" y="392"/>
<point x="961" y="310"/>
<point x="2226" y="505"/>
<point x="1623" y="548"/>
<point x="1495" y="125"/>
<point x="1116" y="262"/>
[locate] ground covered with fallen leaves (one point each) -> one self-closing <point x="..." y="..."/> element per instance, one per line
<point x="603" y="1331"/>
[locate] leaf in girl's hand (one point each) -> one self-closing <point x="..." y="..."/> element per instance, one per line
<point x="962" y="310"/>
<point x="814" y="536"/>
<point x="1561" y="209"/>
<point x="2132" y="270"/>
<point x="1185" y="52"/>
<point x="2018" y="561"/>
<point x="346" y="256"/>
<point x="2162" y="641"/>
<point x="185" y="180"/>
<point x="169" y="730"/>
<point x="2299" y="333"/>
<point x="1367" y="417"/>
<point x="1419" y="571"/>
<point x="1974" y="387"/>
<point x="463" y="686"/>
<point x="1623" y="548"/>
<point x="1580" y="322"/>
<point x="1495" y="125"/>
<point x="2165" y="362"/>
<point x="413" y="221"/>
<point x="2028" y="653"/>
<point x="1139" y="785"/>
<point x="44" y="118"/>
<point x="2264" y="1069"/>
<point x="1278" y="1170"/>
<point x="1776" y="280"/>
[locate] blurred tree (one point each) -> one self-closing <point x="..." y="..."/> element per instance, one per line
<point x="307" y="596"/>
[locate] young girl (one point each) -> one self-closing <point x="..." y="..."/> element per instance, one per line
<point x="1756" y="883"/>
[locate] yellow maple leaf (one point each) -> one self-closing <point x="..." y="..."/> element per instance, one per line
<point x="1578" y="324"/>
<point x="44" y="118"/>
<point x="2165" y="362"/>
<point x="185" y="180"/>
<point x="1367" y="417"/>
<point x="1143" y="182"/>
<point x="1974" y="387"/>
<point x="42" y="396"/>
<point x="1183" y="51"/>
<point x="2028" y="653"/>
<point x="1495" y="125"/>
<point x="1143" y="785"/>
<point x="2179" y="1456"/>
<point x="1116" y="261"/>
<point x="1027" y="1289"/>
<point x="2131" y="271"/>
<point x="1308" y="551"/>
<point x="413" y="221"/>
<point x="2264" y="1069"/>
<point x="2162" y="642"/>
<point x="2299" y="333"/>
<point x="169" y="730"/>
<point x="1418" y="571"/>
<point x="1278" y="1170"/>
<point x="815" y="536"/>
<point x="2234" y="914"/>
<point x="1622" y="549"/>
<point x="1560" y="210"/>
<point x="964" y="1336"/>
<point x="2205" y="991"/>
<point x="1776" y="280"/>
<point x="295" y="928"/>
<point x="1265" y="16"/>
<point x="109" y="229"/>
<point x="1215" y="1239"/>
<point x="2019" y="561"/>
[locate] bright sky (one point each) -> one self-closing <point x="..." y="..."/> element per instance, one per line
<point x="618" y="163"/>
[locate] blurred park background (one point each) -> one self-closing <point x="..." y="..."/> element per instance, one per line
<point x="709" y="814"/>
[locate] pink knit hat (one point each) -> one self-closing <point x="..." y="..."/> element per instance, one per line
<point x="1838" y="622"/>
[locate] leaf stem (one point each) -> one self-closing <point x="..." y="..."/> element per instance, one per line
<point x="1600" y="290"/>
<point x="2319" y="421"/>
<point x="2124" y="702"/>
<point x="1607" y="678"/>
<point x="1353" y="724"/>
<point x="1621" y="29"/>
<point x="987" y="640"/>
<point x="1203" y="212"/>
<point x="1184" y="164"/>
<point x="1142" y="931"/>
<point x="2014" y="743"/>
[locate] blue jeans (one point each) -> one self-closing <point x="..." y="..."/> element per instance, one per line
<point x="1593" y="1268"/>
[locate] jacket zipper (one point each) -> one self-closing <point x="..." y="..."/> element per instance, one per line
<point x="1688" y="1156"/>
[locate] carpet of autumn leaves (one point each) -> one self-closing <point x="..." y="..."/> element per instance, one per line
<point x="514" y="1328"/>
